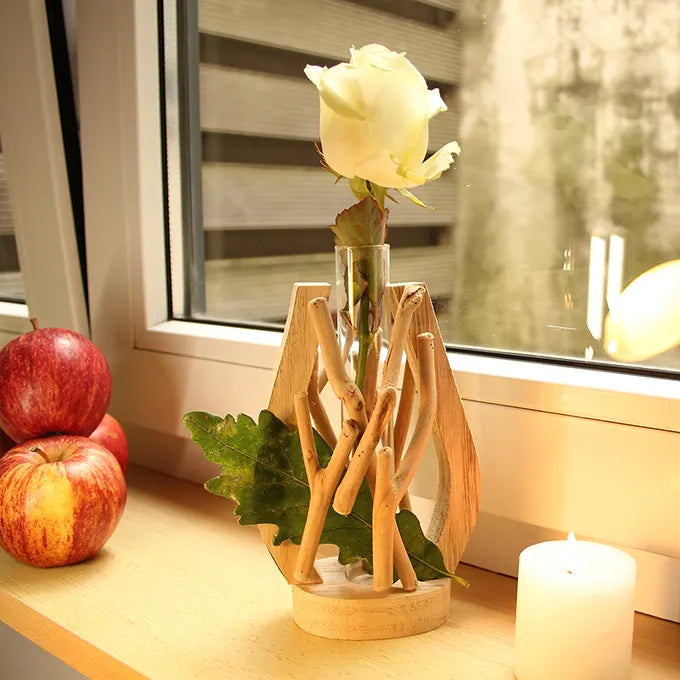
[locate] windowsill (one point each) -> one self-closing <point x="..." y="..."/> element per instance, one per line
<point x="591" y="393"/>
<point x="14" y="317"/>
<point x="182" y="591"/>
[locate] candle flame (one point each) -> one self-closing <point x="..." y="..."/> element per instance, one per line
<point x="570" y="553"/>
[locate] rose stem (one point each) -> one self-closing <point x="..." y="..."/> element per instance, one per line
<point x="365" y="341"/>
<point x="371" y="377"/>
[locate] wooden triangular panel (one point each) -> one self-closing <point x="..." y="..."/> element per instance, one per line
<point x="298" y="354"/>
<point x="457" y="503"/>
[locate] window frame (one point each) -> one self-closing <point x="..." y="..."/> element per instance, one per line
<point x="162" y="368"/>
<point x="36" y="167"/>
<point x="519" y="383"/>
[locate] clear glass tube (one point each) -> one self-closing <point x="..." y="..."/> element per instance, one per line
<point x="361" y="276"/>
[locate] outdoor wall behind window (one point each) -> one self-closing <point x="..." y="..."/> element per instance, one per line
<point x="568" y="186"/>
<point x="11" y="284"/>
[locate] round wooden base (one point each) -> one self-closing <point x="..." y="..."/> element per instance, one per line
<point x="345" y="606"/>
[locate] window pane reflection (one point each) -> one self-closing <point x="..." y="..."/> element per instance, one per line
<point x="568" y="187"/>
<point x="11" y="283"/>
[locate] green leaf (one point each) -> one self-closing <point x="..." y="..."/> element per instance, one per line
<point x="363" y="224"/>
<point x="378" y="193"/>
<point x="426" y="557"/>
<point x="414" y="199"/>
<point x="263" y="471"/>
<point x="359" y="187"/>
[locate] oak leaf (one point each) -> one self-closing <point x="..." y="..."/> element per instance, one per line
<point x="262" y="470"/>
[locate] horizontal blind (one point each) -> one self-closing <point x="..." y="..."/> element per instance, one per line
<point x="11" y="284"/>
<point x="259" y="117"/>
<point x="5" y="208"/>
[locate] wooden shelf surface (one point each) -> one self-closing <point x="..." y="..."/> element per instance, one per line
<point x="182" y="592"/>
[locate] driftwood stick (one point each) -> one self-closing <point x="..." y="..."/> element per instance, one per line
<point x="428" y="408"/>
<point x="410" y="300"/>
<point x="381" y="418"/>
<point x="388" y="435"/>
<point x="338" y="462"/>
<point x="402" y="562"/>
<point x="408" y="391"/>
<point x="347" y="346"/>
<point x="383" y="522"/>
<point x="358" y="466"/>
<point x="343" y="386"/>
<point x="316" y="407"/>
<point x="322" y="490"/>
<point x="304" y="423"/>
<point x="388" y="495"/>
<point x="403" y="421"/>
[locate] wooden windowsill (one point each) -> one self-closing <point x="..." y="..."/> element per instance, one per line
<point x="181" y="591"/>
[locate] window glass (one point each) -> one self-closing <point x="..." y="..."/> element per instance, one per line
<point x="11" y="283"/>
<point x="567" y="189"/>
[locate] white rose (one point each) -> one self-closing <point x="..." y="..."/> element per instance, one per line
<point x="374" y="119"/>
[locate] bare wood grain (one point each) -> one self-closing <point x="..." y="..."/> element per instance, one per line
<point x="319" y="314"/>
<point x="389" y="491"/>
<point x="298" y="356"/>
<point x="403" y="420"/>
<point x="318" y="411"/>
<point x="345" y="607"/>
<point x="322" y="482"/>
<point x="457" y="504"/>
<point x="205" y="602"/>
<point x="383" y="522"/>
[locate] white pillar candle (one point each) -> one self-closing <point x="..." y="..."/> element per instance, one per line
<point x="574" y="612"/>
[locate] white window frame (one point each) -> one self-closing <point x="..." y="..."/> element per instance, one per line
<point x="163" y="368"/>
<point x="42" y="214"/>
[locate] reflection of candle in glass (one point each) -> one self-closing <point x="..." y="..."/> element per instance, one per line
<point x="570" y="553"/>
<point x="574" y="612"/>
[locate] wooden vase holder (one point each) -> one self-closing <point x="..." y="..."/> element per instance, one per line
<point x="333" y="601"/>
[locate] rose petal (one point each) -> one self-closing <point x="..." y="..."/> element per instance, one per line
<point x="315" y="73"/>
<point x="341" y="91"/>
<point x="374" y="118"/>
<point x="372" y="55"/>
<point x="435" y="103"/>
<point x="433" y="167"/>
<point x="343" y="140"/>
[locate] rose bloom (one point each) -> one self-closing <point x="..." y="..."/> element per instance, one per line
<point x="374" y="119"/>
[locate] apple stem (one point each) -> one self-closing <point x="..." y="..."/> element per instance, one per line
<point x="41" y="453"/>
<point x="34" y="323"/>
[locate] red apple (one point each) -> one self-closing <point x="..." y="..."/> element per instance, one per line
<point x="60" y="500"/>
<point x="52" y="380"/>
<point x="111" y="436"/>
